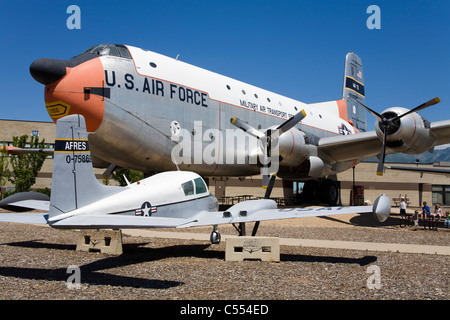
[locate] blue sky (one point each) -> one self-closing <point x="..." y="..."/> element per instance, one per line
<point x="295" y="48"/>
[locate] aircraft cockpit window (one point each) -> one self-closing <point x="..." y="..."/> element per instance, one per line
<point x="110" y="50"/>
<point x="188" y="188"/>
<point x="200" y="186"/>
<point x="95" y="49"/>
<point x="124" y="53"/>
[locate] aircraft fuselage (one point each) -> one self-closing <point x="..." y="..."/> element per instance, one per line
<point x="145" y="109"/>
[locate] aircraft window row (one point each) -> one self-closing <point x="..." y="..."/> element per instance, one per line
<point x="256" y="96"/>
<point x="188" y="187"/>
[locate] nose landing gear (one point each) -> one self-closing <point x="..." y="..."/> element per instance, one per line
<point x="215" y="236"/>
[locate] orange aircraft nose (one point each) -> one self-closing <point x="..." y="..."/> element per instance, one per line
<point x="72" y="88"/>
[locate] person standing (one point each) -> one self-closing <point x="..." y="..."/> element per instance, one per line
<point x="437" y="216"/>
<point x="402" y="212"/>
<point x="416" y="219"/>
<point x="425" y="214"/>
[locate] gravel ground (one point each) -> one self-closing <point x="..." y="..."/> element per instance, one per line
<point x="34" y="262"/>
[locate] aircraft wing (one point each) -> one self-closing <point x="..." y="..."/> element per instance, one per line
<point x="20" y="151"/>
<point x="96" y="221"/>
<point x="421" y="169"/>
<point x="441" y="129"/>
<point x="117" y="221"/>
<point x="265" y="209"/>
<point x="365" y="145"/>
<point x="343" y="148"/>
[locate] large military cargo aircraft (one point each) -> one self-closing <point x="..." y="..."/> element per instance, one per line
<point x="153" y="113"/>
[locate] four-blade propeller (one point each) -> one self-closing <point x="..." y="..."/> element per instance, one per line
<point x="267" y="138"/>
<point x="385" y="124"/>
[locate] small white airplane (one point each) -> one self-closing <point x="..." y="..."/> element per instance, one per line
<point x="172" y="199"/>
<point x="138" y="103"/>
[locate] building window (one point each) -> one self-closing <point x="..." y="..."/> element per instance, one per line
<point x="441" y="194"/>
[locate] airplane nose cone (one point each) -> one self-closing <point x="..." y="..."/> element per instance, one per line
<point x="47" y="71"/>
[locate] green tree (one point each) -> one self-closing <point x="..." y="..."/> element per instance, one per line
<point x="132" y="176"/>
<point x="26" y="167"/>
<point x="4" y="170"/>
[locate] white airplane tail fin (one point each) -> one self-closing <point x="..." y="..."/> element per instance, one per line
<point x="353" y="91"/>
<point x="74" y="184"/>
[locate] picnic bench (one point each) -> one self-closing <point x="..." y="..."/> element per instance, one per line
<point x="430" y="222"/>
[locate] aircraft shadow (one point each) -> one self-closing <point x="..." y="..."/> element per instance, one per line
<point x="365" y="221"/>
<point x="366" y="260"/>
<point x="88" y="276"/>
<point x="137" y="253"/>
<point x="91" y="272"/>
<point x="369" y="221"/>
<point x="37" y="244"/>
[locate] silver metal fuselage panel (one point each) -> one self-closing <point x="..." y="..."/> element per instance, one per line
<point x="149" y="105"/>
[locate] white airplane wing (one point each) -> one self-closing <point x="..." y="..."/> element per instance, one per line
<point x="116" y="221"/>
<point x="96" y="221"/>
<point x="262" y="210"/>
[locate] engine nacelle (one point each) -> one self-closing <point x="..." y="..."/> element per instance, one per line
<point x="409" y="134"/>
<point x="291" y="147"/>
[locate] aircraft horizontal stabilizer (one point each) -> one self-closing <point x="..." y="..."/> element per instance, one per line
<point x="41" y="205"/>
<point x="25" y="217"/>
<point x="25" y="201"/>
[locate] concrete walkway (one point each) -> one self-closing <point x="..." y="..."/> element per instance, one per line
<point x="335" y="244"/>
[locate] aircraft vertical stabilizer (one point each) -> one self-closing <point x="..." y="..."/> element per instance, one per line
<point x="74" y="184"/>
<point x="354" y="92"/>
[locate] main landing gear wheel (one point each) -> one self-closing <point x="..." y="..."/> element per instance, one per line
<point x="311" y="192"/>
<point x="325" y="192"/>
<point x="329" y="192"/>
<point x="215" y="236"/>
